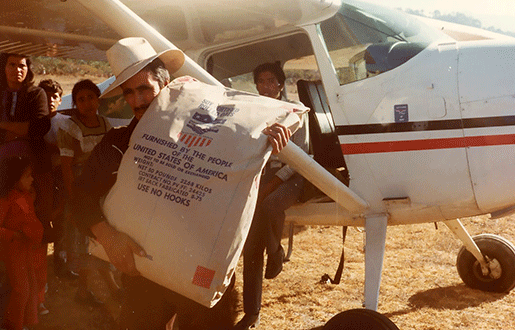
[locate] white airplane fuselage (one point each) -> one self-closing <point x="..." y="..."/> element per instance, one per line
<point x="453" y="156"/>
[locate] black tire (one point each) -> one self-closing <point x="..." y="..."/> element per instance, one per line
<point x="360" y="319"/>
<point x="494" y="247"/>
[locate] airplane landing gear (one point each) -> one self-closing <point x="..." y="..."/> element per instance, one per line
<point x="359" y="319"/>
<point x="498" y="275"/>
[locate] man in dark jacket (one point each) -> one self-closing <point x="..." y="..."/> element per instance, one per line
<point x="141" y="73"/>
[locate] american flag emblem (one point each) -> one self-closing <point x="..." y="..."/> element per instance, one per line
<point x="203" y="277"/>
<point x="192" y="140"/>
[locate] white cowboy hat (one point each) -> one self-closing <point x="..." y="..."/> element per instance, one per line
<point x="129" y="55"/>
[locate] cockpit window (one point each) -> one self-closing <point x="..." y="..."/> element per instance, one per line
<point x="364" y="40"/>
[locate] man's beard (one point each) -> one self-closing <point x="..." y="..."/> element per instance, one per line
<point x="141" y="110"/>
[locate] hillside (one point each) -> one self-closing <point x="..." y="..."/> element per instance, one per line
<point x="67" y="71"/>
<point x="60" y="66"/>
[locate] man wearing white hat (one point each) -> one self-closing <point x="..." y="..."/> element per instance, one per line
<point x="140" y="74"/>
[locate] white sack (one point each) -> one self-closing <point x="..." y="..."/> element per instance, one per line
<point x="187" y="186"/>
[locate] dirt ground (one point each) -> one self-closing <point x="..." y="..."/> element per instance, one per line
<point x="420" y="288"/>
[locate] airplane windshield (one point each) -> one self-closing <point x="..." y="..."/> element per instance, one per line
<point x="364" y="40"/>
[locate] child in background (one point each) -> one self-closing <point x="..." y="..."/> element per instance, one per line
<point x="53" y="92"/>
<point x="76" y="138"/>
<point x="20" y="237"/>
<point x="63" y="230"/>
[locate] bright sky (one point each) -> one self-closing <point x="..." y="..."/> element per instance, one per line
<point x="497" y="13"/>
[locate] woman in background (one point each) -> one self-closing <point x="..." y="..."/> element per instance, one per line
<point x="24" y="120"/>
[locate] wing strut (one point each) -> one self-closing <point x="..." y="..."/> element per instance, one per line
<point x="322" y="179"/>
<point x="126" y="23"/>
<point x="375" y="229"/>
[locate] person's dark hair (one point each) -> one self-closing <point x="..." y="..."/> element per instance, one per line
<point x="159" y="72"/>
<point x="11" y="170"/>
<point x="29" y="79"/>
<point x="81" y="85"/>
<point x="274" y="68"/>
<point x="51" y="86"/>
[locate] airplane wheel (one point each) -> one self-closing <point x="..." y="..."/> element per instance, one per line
<point x="359" y="319"/>
<point x="498" y="250"/>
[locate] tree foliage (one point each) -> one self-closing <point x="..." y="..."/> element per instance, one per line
<point x="67" y="66"/>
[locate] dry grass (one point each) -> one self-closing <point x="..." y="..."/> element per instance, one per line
<point x="421" y="288"/>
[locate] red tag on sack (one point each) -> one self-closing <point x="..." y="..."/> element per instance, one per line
<point x="203" y="277"/>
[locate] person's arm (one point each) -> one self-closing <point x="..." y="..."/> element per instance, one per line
<point x="32" y="116"/>
<point x="28" y="233"/>
<point x="278" y="136"/>
<point x="39" y="123"/>
<point x="94" y="183"/>
<point x="17" y="129"/>
<point x="66" y="168"/>
<point x="32" y="228"/>
<point x="65" y="142"/>
<point x="119" y="247"/>
<point x="301" y="139"/>
<point x="6" y="235"/>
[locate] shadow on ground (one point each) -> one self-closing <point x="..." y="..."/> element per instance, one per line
<point x="456" y="297"/>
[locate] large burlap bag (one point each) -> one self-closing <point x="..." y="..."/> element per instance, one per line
<point x="187" y="185"/>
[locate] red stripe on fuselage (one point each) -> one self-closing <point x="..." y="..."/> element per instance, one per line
<point x="428" y="144"/>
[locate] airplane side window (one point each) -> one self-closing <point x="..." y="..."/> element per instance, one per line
<point x="304" y="68"/>
<point x="364" y="40"/>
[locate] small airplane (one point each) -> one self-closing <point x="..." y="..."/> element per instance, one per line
<point x="416" y="115"/>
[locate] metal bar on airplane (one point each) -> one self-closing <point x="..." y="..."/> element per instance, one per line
<point x="126" y="23"/>
<point x="57" y="35"/>
<point x="10" y="45"/>
<point x="27" y="49"/>
<point x="457" y="228"/>
<point x="322" y="179"/>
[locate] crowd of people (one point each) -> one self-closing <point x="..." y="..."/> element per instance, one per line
<point x="41" y="154"/>
<point x="55" y="169"/>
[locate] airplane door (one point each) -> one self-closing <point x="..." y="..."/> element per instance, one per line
<point x="400" y="129"/>
<point x="487" y="89"/>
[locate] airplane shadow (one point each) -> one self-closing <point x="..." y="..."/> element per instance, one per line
<point x="456" y="297"/>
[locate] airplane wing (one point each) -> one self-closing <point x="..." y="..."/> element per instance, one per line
<point x="462" y="32"/>
<point x="65" y="28"/>
<point x="53" y="28"/>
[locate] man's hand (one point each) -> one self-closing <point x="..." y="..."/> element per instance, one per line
<point x="278" y="135"/>
<point x="119" y="247"/>
<point x="14" y="129"/>
<point x="169" y="325"/>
